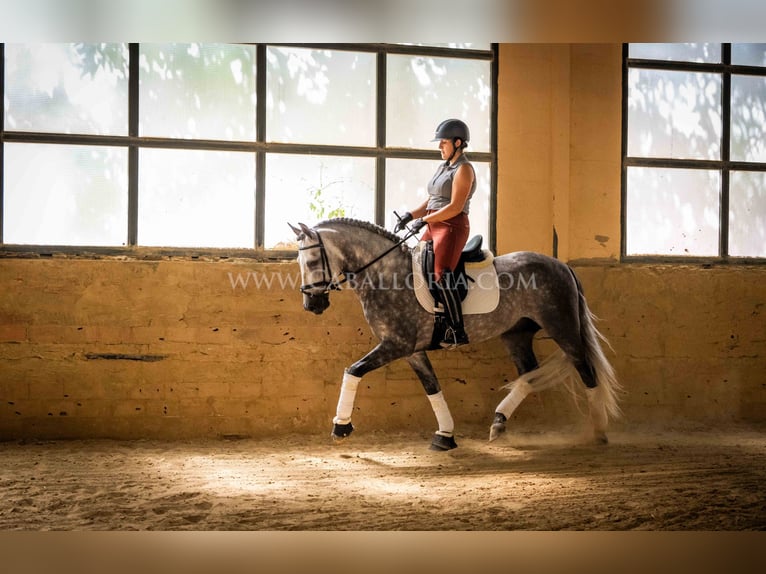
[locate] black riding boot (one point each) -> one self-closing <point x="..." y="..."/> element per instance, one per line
<point x="455" y="334"/>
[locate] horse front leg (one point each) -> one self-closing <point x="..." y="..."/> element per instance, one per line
<point x="381" y="355"/>
<point x="444" y="438"/>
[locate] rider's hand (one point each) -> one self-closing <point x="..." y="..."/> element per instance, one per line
<point x="417" y="225"/>
<point x="405" y="219"/>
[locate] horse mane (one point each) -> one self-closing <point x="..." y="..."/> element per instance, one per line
<point x="369" y="226"/>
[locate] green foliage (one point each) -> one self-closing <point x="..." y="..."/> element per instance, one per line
<point x="319" y="207"/>
<point x="110" y="57"/>
<point x="319" y="203"/>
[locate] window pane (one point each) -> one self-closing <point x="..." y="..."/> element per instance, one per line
<point x="747" y="214"/>
<point x="67" y="88"/>
<point x="710" y="53"/>
<point x="423" y="91"/>
<point x="406" y="188"/>
<point x="674" y="114"/>
<point x="320" y="97"/>
<point x="748" y="118"/>
<point x="65" y="195"/>
<point x="455" y="45"/>
<point x="190" y="198"/>
<point x="672" y="212"/>
<point x="748" y="54"/>
<point x="308" y="189"/>
<point x="197" y="91"/>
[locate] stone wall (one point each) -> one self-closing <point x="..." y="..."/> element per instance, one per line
<point x="130" y="349"/>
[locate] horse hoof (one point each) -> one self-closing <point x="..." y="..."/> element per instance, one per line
<point x="442" y="443"/>
<point x="498" y="426"/>
<point x="600" y="438"/>
<point x="496" y="430"/>
<point x="341" y="432"/>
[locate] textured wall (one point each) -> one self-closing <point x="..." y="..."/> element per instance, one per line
<point x="171" y="349"/>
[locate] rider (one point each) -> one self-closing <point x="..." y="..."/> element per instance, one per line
<point x="446" y="214"/>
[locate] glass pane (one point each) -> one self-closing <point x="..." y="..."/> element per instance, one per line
<point x="672" y="211"/>
<point x="455" y="45"/>
<point x="67" y="88"/>
<point x="747" y="214"/>
<point x="197" y="91"/>
<point x="190" y="198"/>
<point x="65" y="195"/>
<point x="748" y="54"/>
<point x="710" y="53"/>
<point x="674" y="114"/>
<point x="423" y="91"/>
<point x="320" y="97"/>
<point x="308" y="189"/>
<point x="406" y="182"/>
<point x="748" y="118"/>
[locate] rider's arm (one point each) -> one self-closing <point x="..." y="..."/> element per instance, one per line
<point x="420" y="210"/>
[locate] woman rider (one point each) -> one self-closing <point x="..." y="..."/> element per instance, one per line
<point x="446" y="214"/>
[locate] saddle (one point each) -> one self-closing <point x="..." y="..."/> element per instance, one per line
<point x="475" y="277"/>
<point x="472" y="253"/>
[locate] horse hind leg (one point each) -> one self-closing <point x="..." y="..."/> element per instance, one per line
<point x="597" y="374"/>
<point x="599" y="416"/>
<point x="597" y="407"/>
<point x="519" y="345"/>
<point x="581" y="355"/>
<point x="597" y="401"/>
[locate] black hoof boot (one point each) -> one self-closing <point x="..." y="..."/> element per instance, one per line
<point x="340" y="432"/>
<point x="498" y="426"/>
<point x="599" y="437"/>
<point x="441" y="442"/>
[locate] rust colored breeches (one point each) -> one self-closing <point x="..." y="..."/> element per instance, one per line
<point x="449" y="238"/>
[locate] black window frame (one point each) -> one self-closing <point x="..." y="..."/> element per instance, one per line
<point x="133" y="142"/>
<point x="724" y="165"/>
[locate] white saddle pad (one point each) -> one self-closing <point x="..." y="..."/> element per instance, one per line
<point x="483" y="292"/>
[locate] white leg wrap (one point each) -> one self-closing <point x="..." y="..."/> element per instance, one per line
<point x="346" y="400"/>
<point x="518" y="393"/>
<point x="443" y="416"/>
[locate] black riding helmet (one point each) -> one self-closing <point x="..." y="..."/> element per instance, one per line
<point x="452" y="129"/>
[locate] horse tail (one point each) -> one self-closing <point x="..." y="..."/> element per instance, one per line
<point x="608" y="387"/>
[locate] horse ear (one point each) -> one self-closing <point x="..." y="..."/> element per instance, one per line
<point x="295" y="229"/>
<point x="310" y="233"/>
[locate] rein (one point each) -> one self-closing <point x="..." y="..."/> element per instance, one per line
<point x="332" y="284"/>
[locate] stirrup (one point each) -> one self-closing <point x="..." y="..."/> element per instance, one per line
<point x="453" y="338"/>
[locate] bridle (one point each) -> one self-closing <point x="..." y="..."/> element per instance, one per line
<point x="331" y="283"/>
<point x="328" y="282"/>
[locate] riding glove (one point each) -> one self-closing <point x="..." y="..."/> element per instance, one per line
<point x="403" y="221"/>
<point x="417" y="225"/>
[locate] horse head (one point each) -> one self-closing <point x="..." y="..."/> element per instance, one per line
<point x="316" y="277"/>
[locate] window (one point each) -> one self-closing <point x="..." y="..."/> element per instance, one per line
<point x="694" y="159"/>
<point x="221" y="145"/>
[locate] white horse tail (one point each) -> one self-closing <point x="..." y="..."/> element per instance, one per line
<point x="552" y="371"/>
<point x="608" y="388"/>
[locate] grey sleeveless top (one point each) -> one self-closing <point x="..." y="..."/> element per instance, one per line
<point x="440" y="186"/>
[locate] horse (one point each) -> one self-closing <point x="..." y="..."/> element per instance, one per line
<point x="360" y="253"/>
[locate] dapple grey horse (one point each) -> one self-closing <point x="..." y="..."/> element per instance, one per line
<point x="361" y="253"/>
